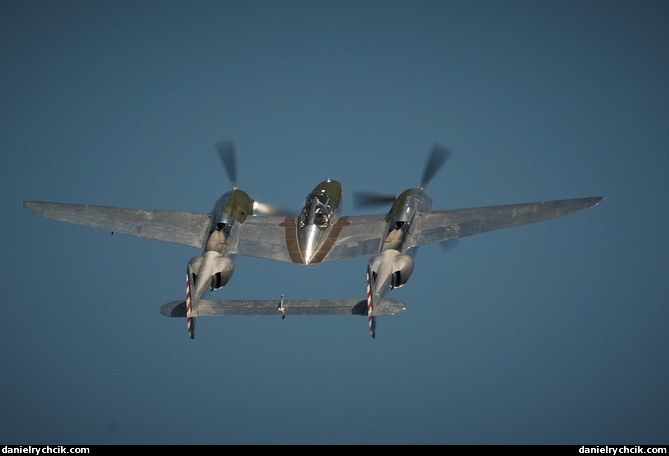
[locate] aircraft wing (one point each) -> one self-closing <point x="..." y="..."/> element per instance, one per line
<point x="273" y="237"/>
<point x="291" y="307"/>
<point x="185" y="228"/>
<point x="439" y="226"/>
<point x="262" y="236"/>
<point x="362" y="235"/>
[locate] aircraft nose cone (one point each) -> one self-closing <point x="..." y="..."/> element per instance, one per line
<point x="309" y="242"/>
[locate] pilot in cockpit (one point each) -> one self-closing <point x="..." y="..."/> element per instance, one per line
<point x="317" y="211"/>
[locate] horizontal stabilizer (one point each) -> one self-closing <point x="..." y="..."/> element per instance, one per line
<point x="206" y="308"/>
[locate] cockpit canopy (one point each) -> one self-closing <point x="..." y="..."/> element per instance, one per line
<point x="318" y="209"/>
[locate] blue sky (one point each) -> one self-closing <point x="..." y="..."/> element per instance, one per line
<point x="551" y="333"/>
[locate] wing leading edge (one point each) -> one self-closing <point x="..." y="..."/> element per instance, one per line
<point x="438" y="226"/>
<point x="184" y="228"/>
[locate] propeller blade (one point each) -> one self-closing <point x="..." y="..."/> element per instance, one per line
<point x="368" y="199"/>
<point x="437" y="158"/>
<point x="226" y="150"/>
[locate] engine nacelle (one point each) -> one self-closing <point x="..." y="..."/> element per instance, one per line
<point x="223" y="269"/>
<point x="214" y="265"/>
<point x="195" y="265"/>
<point x="400" y="270"/>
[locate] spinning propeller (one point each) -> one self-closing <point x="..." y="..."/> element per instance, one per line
<point x="438" y="156"/>
<point x="226" y="151"/>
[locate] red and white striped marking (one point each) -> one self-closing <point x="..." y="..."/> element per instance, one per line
<point x="189" y="309"/>
<point x="370" y="306"/>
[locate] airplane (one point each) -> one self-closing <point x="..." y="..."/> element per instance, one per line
<point x="238" y="225"/>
